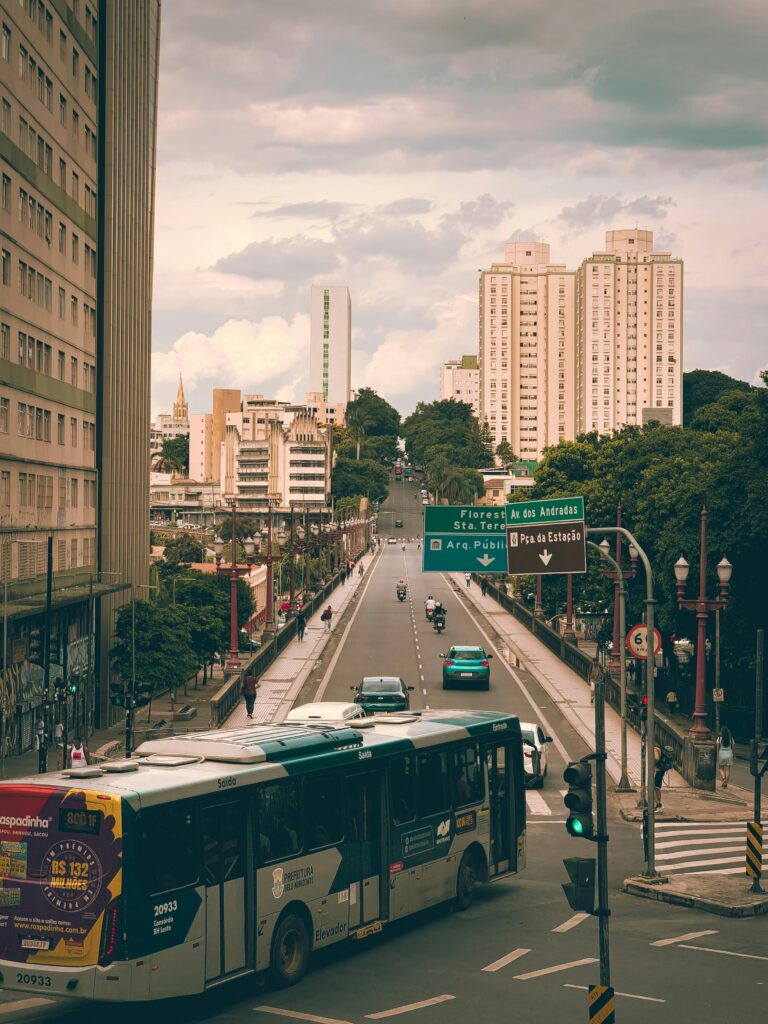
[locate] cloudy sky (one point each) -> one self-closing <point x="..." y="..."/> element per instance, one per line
<point x="396" y="145"/>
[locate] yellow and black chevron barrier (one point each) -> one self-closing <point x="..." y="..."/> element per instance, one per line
<point x="602" y="1005"/>
<point x="754" y="849"/>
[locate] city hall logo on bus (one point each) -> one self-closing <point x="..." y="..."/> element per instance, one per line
<point x="278" y="887"/>
<point x="71" y="876"/>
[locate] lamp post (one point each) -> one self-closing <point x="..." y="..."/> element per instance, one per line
<point x="618" y="575"/>
<point x="569" y="633"/>
<point x="699" y="729"/>
<point x="538" y="608"/>
<point x="234" y="571"/>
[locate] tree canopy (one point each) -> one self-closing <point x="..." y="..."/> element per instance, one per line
<point x="353" y="478"/>
<point x="702" y="387"/>
<point x="173" y="456"/>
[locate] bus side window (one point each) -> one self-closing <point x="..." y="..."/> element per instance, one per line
<point x="401" y="796"/>
<point x="278" y="821"/>
<point x="323" y="811"/>
<point x="432" y="782"/>
<point x="166" y="852"/>
<point x="467" y="775"/>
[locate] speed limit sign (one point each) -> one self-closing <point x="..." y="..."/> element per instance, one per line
<point x="637" y="641"/>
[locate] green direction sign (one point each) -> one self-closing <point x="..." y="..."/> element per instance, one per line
<point x="451" y="552"/>
<point x="547" y="510"/>
<point x="464" y="538"/>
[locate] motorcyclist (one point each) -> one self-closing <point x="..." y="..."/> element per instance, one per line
<point x="401" y="588"/>
<point x="439" y="612"/>
<point x="429" y="605"/>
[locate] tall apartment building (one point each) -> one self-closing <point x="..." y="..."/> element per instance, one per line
<point x="563" y="352"/>
<point x="460" y="380"/>
<point x="207" y="431"/>
<point x="78" y="94"/>
<point x="330" y="343"/>
<point x="276" y="452"/>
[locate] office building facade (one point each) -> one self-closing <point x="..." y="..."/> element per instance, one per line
<point x="460" y="380"/>
<point x="78" y="85"/>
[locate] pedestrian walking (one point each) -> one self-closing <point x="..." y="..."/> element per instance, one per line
<point x="79" y="755"/>
<point x="724" y="755"/>
<point x="361" y="569"/>
<point x="483" y="586"/>
<point x="301" y="623"/>
<point x="468" y="577"/>
<point x="672" y="702"/>
<point x="249" y="692"/>
<point x="326" y="618"/>
<point x="343" y="575"/>
<point x="662" y="762"/>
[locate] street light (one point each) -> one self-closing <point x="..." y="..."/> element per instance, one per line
<point x="702" y="606"/>
<point x="618" y="575"/>
<point x="233" y="571"/>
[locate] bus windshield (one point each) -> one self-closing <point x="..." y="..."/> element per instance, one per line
<point x="60" y="859"/>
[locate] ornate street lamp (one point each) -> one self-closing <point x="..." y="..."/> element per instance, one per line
<point x="618" y="576"/>
<point x="233" y="571"/>
<point x="702" y="606"/>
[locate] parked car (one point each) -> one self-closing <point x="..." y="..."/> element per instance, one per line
<point x="534" y="753"/>
<point x="466" y="665"/>
<point x="325" y="711"/>
<point x="375" y="694"/>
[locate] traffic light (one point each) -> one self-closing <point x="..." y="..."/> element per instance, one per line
<point x="580" y="891"/>
<point x="578" y="799"/>
<point x="644" y="709"/>
<point x="117" y="695"/>
<point x="73" y="685"/>
<point x="143" y="694"/>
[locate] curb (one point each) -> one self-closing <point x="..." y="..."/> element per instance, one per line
<point x="747" y="907"/>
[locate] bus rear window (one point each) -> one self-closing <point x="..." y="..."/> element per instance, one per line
<point x="166" y="852"/>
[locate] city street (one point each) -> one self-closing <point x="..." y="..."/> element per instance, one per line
<point x="519" y="946"/>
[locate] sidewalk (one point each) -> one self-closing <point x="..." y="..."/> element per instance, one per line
<point x="281" y="683"/>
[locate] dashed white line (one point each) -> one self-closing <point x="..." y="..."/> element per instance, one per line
<point x="504" y="960"/>
<point x="571" y="922"/>
<point x="424" y="691"/>
<point x="683" y="938"/>
<point x="411" y="1006"/>
<point x="557" y="967"/>
<point x="723" y="952"/>
<point x="624" y="995"/>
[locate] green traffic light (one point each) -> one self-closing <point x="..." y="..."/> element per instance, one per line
<point x="577" y="826"/>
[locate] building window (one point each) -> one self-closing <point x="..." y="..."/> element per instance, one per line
<point x="6" y="267"/>
<point x="5" y="407"/>
<point x="60" y="428"/>
<point x="73" y="494"/>
<point x="73" y="374"/>
<point x="75" y="248"/>
<point x="75" y="62"/>
<point x="6" y="193"/>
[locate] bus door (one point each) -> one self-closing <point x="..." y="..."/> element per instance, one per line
<point x="222" y="827"/>
<point x="363" y="847"/>
<point x="500" y="795"/>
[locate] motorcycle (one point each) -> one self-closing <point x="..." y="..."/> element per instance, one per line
<point x="439" y="624"/>
<point x="401" y="593"/>
<point x="430" y="613"/>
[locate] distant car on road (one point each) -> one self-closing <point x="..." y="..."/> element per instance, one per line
<point x="391" y="540"/>
<point x="425" y="501"/>
<point x="466" y="665"/>
<point x="398" y="524"/>
<point x="534" y="753"/>
<point x="376" y="694"/>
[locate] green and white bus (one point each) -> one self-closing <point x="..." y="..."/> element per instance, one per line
<point x="213" y="855"/>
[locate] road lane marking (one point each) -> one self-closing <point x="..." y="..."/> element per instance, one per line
<point x="571" y="922"/>
<point x="683" y="938"/>
<point x="557" y="967"/>
<point x="536" y="803"/>
<point x="699" y="863"/>
<point x="625" y="995"/>
<point x="687" y="853"/>
<point x="724" y="952"/>
<point x="504" y="960"/>
<point x="296" y="1015"/>
<point x="407" y="1009"/>
<point x="24" y="1004"/>
<point x="424" y="691"/>
<point x="337" y="653"/>
<point x="523" y="689"/>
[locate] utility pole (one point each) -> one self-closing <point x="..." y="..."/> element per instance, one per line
<point x="603" y="912"/>
<point x="755" y="827"/>
<point x="42" y="760"/>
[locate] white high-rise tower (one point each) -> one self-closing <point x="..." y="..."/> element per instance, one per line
<point x="330" y="343"/>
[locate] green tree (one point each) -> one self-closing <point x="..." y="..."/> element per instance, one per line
<point x="358" y="421"/>
<point x="245" y="526"/>
<point x="183" y="549"/>
<point x="702" y="387"/>
<point x="505" y="453"/>
<point x="161" y="644"/>
<point x="383" y="418"/>
<point x="173" y="456"/>
<point x="359" y="479"/>
<point x="448" y="428"/>
<point x="486" y="440"/>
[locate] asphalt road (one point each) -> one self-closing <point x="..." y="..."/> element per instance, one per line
<point x="518" y="953"/>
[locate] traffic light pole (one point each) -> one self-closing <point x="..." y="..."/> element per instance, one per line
<point x="603" y="912"/>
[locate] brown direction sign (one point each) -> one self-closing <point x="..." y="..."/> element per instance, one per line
<point x="546" y="548"/>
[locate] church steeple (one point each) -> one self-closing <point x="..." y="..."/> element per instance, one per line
<point x="180" y="407"/>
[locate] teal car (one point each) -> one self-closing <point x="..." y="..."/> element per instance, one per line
<point x="466" y="666"/>
<point x="377" y="694"/>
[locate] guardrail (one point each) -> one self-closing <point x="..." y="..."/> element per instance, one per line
<point x="694" y="761"/>
<point x="228" y="695"/>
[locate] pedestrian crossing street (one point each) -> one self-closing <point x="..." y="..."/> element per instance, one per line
<point x="711" y="847"/>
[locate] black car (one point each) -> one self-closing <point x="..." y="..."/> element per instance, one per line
<point x="399" y="524"/>
<point x="382" y="693"/>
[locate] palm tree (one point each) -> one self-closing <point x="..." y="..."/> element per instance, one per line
<point x="357" y="421"/>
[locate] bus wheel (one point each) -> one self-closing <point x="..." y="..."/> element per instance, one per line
<point x="466" y="881"/>
<point x="290" y="951"/>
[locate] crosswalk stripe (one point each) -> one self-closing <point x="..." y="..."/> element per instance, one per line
<point x="536" y="803"/>
<point x="738" y="852"/>
<point x="701" y="847"/>
<point x="737" y="841"/>
<point x="701" y="863"/>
